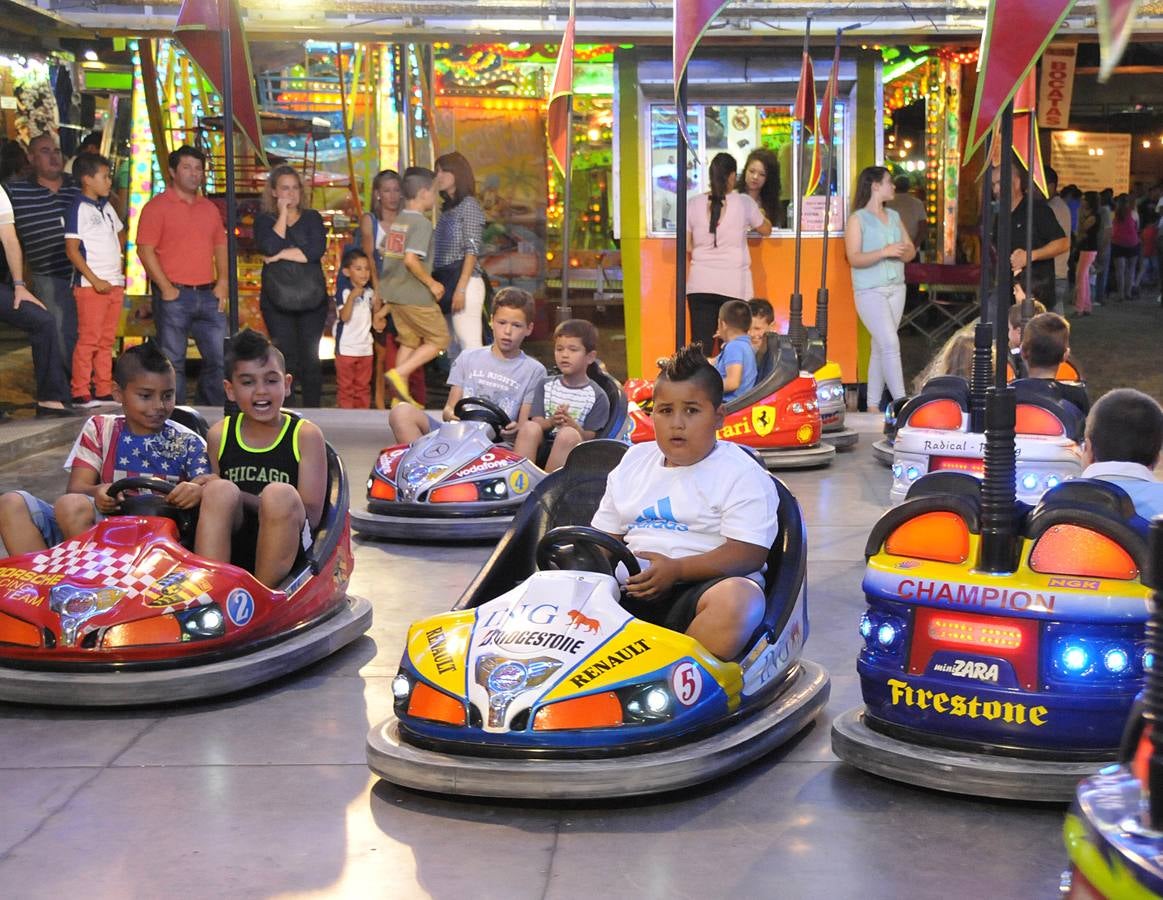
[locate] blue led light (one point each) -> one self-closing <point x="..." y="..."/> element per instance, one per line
<point x="1052" y="481"/>
<point x="914" y="473"/>
<point x="1075" y="658"/>
<point x="1116" y="660"/>
<point x="886" y="634"/>
<point x="865" y="626"/>
<point x="1148" y="659"/>
<point x="897" y="470"/>
<point x="1029" y="481"/>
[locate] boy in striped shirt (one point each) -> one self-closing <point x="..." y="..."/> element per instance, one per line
<point x="568" y="408"/>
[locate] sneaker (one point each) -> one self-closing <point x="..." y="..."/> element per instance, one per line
<point x="85" y="402"/>
<point x="400" y="386"/>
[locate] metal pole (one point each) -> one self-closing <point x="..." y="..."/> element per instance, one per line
<point x="998" y="534"/>
<point x="353" y="188"/>
<point x="829" y="154"/>
<point x="406" y="143"/>
<point x="563" y="310"/>
<point x="680" y="224"/>
<point x="224" y="21"/>
<point x="983" y="335"/>
<point x="795" y="321"/>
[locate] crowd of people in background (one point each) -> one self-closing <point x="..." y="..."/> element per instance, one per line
<point x="62" y="275"/>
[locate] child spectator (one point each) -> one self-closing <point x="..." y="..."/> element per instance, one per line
<point x="500" y="373"/>
<point x="355" y="308"/>
<point x="412" y="294"/>
<point x="142" y="441"/>
<point x="954" y="358"/>
<point x="736" y="360"/>
<point x="1045" y="343"/>
<point x="699" y="513"/>
<point x="272" y="466"/>
<point x="1014" y="319"/>
<point x="568" y="408"/>
<point x="1124" y="434"/>
<point x="94" y="240"/>
<point x="762" y="320"/>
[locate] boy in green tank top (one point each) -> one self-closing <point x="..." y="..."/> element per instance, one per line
<point x="271" y="466"/>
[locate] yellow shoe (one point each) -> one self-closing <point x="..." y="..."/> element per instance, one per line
<point x="400" y="386"/>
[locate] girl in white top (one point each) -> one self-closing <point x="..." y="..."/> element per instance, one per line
<point x="720" y="270"/>
<point x="877" y="246"/>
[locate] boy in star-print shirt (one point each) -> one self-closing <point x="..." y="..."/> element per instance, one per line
<point x="141" y="442"/>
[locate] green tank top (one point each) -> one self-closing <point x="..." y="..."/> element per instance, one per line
<point x="875" y="234"/>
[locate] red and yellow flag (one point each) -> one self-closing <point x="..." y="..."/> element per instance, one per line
<point x="199" y="29"/>
<point x="561" y="97"/>
<point x="1008" y="54"/>
<point x="1025" y="101"/>
<point x="1116" y="21"/>
<point x="805" y="113"/>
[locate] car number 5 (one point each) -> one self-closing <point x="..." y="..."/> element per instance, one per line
<point x="687" y="683"/>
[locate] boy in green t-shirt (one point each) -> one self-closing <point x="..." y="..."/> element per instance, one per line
<point x="407" y="285"/>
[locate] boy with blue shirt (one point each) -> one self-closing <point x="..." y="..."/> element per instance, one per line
<point x="736" y="360"/>
<point x="1124" y="436"/>
<point x="699" y="514"/>
<point x="94" y="240"/>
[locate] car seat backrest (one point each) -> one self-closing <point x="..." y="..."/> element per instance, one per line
<point x="951" y="384"/>
<point x="569" y="496"/>
<point x="1096" y="504"/>
<point x="614" y="394"/>
<point x="784" y="368"/>
<point x="191" y="418"/>
<point x="786" y="567"/>
<point x="1046" y="394"/>
<point x="335" y="505"/>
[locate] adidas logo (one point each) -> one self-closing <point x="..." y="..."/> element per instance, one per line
<point x="663" y="518"/>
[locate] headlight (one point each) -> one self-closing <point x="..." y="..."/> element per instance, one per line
<point x="1052" y="481"/>
<point x="1029" y="481"/>
<point x="401" y="686"/>
<point x="865" y="626"/>
<point x="645" y="703"/>
<point x="1075" y="659"/>
<point x="797" y="408"/>
<point x="897" y="470"/>
<point x="494" y="489"/>
<point x="1116" y="660"/>
<point x="202" y="622"/>
<point x="886" y="634"/>
<point x="913" y="473"/>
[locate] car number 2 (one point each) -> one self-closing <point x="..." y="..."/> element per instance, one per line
<point x="687" y="683"/>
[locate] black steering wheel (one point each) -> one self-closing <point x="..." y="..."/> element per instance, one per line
<point x="585" y="549"/>
<point x="477" y="409"/>
<point x="152" y="504"/>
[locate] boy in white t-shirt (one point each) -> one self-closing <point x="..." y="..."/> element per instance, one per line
<point x="94" y="240"/>
<point x="355" y="307"/>
<point x="699" y="514"/>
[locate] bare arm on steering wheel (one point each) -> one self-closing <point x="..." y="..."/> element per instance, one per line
<point x="455" y="393"/>
<point x="83" y="480"/>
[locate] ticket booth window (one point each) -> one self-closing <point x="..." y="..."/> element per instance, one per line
<point x="725" y="128"/>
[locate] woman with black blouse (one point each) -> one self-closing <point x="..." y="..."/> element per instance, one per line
<point x="292" y="241"/>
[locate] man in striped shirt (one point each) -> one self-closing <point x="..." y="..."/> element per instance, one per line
<point x="41" y="202"/>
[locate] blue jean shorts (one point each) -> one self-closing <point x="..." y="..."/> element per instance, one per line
<point x="43" y="517"/>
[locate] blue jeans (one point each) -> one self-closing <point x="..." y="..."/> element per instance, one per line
<point x="193" y="313"/>
<point x="47" y="362"/>
<point x="57" y="296"/>
<point x="1102" y="264"/>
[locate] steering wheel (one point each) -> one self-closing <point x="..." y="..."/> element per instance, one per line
<point x="581" y="547"/>
<point x="152" y="504"/>
<point x="477" y="409"/>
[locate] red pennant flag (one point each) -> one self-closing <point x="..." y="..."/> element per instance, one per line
<point x="692" y="18"/>
<point x="199" y="31"/>
<point x="561" y="97"/>
<point x="1008" y="54"/>
<point x="805" y="113"/>
<point x="1116" y="21"/>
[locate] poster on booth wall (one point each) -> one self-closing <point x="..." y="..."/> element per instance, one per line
<point x="1056" y="86"/>
<point x="1092" y="160"/>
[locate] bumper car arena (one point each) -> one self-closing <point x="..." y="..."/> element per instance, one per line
<point x="952" y="690"/>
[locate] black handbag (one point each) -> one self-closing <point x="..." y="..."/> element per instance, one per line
<point x="294" y="287"/>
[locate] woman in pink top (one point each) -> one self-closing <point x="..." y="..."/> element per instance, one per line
<point x="717" y="226"/>
<point x="1125" y="245"/>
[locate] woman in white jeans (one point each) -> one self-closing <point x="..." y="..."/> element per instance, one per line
<point x="459" y="234"/>
<point x="877" y="247"/>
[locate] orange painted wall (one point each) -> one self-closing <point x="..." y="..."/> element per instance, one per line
<point x="772" y="270"/>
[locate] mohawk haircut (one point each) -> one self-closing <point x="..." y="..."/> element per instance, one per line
<point x="146" y="357"/>
<point x="689" y="364"/>
<point x="251" y="346"/>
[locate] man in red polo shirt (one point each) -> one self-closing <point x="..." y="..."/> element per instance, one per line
<point x="182" y="244"/>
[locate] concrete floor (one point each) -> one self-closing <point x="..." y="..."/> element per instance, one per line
<point x="266" y="794"/>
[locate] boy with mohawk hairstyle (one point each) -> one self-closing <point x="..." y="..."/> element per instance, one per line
<point x="699" y="513"/>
